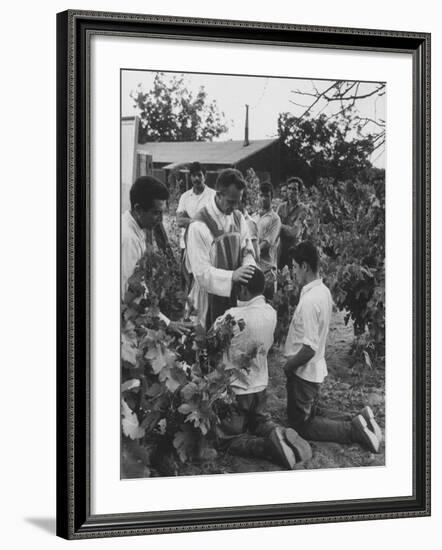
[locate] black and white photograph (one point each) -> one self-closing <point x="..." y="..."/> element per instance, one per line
<point x="252" y="273"/>
<point x="222" y="215"/>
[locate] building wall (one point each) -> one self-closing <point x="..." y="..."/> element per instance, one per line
<point x="264" y="162"/>
<point x="267" y="160"/>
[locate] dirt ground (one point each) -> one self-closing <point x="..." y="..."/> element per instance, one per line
<point x="347" y="388"/>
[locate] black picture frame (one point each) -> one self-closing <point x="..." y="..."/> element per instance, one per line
<point x="74" y="518"/>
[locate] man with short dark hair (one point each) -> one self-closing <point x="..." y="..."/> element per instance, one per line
<point x="193" y="200"/>
<point x="306" y="368"/>
<point x="269" y="227"/>
<point x="190" y="203"/>
<point x="148" y="197"/>
<point x="292" y="214"/>
<point x="219" y="251"/>
<point x="246" y="428"/>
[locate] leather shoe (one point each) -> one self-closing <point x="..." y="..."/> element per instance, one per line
<point x="368" y="415"/>
<point x="363" y="435"/>
<point x="281" y="451"/>
<point x="300" y="446"/>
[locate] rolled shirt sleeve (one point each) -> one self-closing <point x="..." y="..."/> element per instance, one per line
<point x="310" y="320"/>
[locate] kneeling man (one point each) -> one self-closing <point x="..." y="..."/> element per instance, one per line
<point x="306" y="367"/>
<point x="246" y="428"/>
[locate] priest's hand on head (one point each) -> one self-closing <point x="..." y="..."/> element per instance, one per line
<point x="243" y="273"/>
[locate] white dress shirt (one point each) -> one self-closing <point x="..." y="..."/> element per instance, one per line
<point x="260" y="323"/>
<point x="269" y="228"/>
<point x="190" y="203"/>
<point x="200" y="260"/>
<point x="309" y="326"/>
<point x="133" y="247"/>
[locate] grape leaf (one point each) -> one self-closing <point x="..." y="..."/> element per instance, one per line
<point x="184" y="443"/>
<point x="199" y="421"/>
<point x="150" y="421"/>
<point x="128" y="350"/>
<point x="156" y="357"/>
<point x="132" y="384"/>
<point x="189" y="391"/>
<point x="186" y="408"/>
<point x="154" y="390"/>
<point x="139" y="453"/>
<point x="173" y="377"/>
<point x="129" y="422"/>
<point x="206" y="453"/>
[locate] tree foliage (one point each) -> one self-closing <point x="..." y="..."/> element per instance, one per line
<point x="320" y="147"/>
<point x="170" y="111"/>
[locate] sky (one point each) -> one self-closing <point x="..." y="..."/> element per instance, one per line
<point x="266" y="97"/>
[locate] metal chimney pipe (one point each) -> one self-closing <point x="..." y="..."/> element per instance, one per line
<point x="246" y="131"/>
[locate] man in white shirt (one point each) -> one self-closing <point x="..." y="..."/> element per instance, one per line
<point x="193" y="200"/>
<point x="269" y="228"/>
<point x="246" y="429"/>
<point x="306" y="366"/>
<point x="147" y="198"/>
<point x="218" y="248"/>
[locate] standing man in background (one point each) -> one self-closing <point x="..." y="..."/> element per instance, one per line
<point x="292" y="214"/>
<point x="190" y="203"/>
<point x="193" y="200"/>
<point x="269" y="227"/>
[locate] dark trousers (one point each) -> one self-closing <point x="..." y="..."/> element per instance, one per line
<point x="246" y="426"/>
<point x="311" y="423"/>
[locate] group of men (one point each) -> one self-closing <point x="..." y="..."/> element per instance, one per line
<point x="231" y="259"/>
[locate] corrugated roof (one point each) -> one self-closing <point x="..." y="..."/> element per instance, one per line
<point x="205" y="152"/>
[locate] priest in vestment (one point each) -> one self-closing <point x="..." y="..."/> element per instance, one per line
<point x="219" y="250"/>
